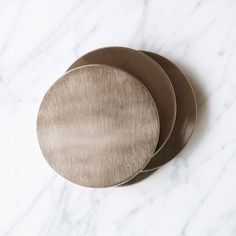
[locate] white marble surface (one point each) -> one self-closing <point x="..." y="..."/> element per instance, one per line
<point x="195" y="194"/>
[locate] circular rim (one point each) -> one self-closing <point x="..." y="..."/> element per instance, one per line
<point x="181" y="85"/>
<point x="129" y="76"/>
<point x="145" y="69"/>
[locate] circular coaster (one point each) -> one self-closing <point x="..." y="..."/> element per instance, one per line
<point x="98" y="126"/>
<point x="148" y="72"/>
<point x="186" y="113"/>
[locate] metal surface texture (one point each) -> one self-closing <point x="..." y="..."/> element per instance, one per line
<point x="98" y="126"/>
<point x="148" y="72"/>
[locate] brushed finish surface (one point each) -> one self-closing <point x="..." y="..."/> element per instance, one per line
<point x="186" y="113"/>
<point x="98" y="126"/>
<point x="148" y="72"/>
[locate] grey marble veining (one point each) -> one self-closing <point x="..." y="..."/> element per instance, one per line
<point x="192" y="195"/>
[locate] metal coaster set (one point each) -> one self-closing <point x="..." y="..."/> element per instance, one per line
<point x="116" y="112"/>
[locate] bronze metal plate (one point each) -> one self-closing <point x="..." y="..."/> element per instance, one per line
<point x="148" y="72"/>
<point x="186" y="113"/>
<point x="98" y="126"/>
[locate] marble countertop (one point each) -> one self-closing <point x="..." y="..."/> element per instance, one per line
<point x="194" y="194"/>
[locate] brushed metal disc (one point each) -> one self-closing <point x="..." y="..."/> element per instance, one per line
<point x="186" y="113"/>
<point x="148" y="72"/>
<point x="98" y="126"/>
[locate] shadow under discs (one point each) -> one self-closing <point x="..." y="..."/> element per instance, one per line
<point x="138" y="178"/>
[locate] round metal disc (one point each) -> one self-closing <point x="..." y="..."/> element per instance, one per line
<point x="186" y="113"/>
<point x="148" y="72"/>
<point x="98" y="126"/>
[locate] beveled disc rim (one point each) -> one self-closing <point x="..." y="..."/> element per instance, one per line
<point x="187" y="81"/>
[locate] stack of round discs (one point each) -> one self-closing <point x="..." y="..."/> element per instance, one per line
<point x="116" y="112"/>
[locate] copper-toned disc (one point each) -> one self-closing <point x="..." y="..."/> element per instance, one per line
<point x="98" y="126"/>
<point x="148" y="72"/>
<point x="186" y="113"/>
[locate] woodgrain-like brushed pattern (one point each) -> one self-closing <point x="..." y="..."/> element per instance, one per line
<point x="98" y="126"/>
<point x="148" y="72"/>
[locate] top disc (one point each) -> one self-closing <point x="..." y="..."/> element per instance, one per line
<point x="98" y="126"/>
